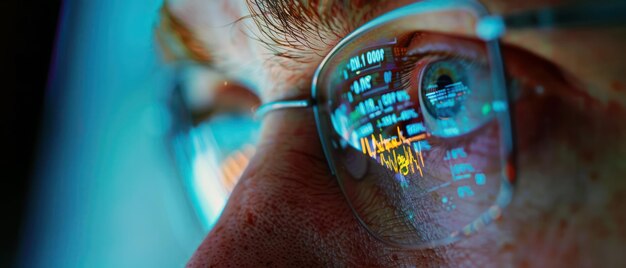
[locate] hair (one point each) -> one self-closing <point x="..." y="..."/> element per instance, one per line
<point x="177" y="42"/>
<point x="297" y="30"/>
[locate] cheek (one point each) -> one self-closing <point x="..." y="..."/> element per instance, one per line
<point x="571" y="151"/>
<point x="593" y="56"/>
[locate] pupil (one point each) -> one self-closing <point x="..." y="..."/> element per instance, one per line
<point x="443" y="81"/>
<point x="444" y="88"/>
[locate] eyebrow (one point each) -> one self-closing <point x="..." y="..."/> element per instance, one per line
<point x="300" y="30"/>
<point x="177" y="42"/>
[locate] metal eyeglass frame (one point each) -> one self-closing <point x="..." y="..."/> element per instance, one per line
<point x="489" y="28"/>
<point x="495" y="26"/>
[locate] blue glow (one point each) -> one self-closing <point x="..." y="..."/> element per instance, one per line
<point x="499" y="106"/>
<point x="461" y="171"/>
<point x="465" y="191"/>
<point x="105" y="192"/>
<point x="490" y="28"/>
<point x="210" y="143"/>
<point x="480" y="178"/>
<point x="415" y="128"/>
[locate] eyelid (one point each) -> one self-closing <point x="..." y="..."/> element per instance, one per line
<point x="424" y="43"/>
<point x="208" y="93"/>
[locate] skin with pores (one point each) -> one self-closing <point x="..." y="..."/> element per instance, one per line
<point x="567" y="210"/>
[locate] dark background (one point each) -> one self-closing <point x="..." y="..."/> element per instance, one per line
<point x="27" y="34"/>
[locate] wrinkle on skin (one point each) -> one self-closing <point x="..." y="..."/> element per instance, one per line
<point x="567" y="209"/>
<point x="574" y="50"/>
<point x="293" y="213"/>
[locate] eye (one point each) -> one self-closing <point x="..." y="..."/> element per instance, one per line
<point x="209" y="154"/>
<point x="455" y="92"/>
<point x="416" y="133"/>
<point x="412" y="129"/>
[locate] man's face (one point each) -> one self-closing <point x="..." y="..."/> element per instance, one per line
<point x="288" y="210"/>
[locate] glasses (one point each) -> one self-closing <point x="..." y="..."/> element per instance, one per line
<point x="413" y="114"/>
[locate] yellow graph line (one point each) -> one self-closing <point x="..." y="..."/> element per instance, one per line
<point x="403" y="161"/>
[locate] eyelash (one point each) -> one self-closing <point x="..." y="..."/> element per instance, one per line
<point x="294" y="32"/>
<point x="408" y="68"/>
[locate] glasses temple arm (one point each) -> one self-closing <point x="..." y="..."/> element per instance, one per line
<point x="265" y="108"/>
<point x="493" y="27"/>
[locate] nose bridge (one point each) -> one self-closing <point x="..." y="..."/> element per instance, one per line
<point x="286" y="204"/>
<point x="271" y="217"/>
